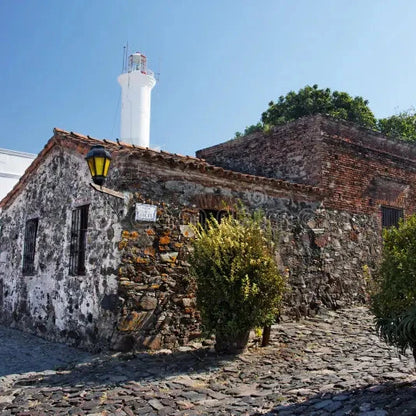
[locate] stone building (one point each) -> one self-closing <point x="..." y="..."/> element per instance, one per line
<point x="85" y="268"/>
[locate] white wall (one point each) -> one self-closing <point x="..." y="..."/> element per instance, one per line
<point x="136" y="90"/>
<point x="12" y="166"/>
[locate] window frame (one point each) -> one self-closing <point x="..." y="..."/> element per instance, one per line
<point x="29" y="246"/>
<point x="390" y="216"/>
<point x="78" y="240"/>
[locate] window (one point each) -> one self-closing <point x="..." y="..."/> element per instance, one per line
<point x="390" y="216"/>
<point x="30" y="246"/>
<point x="78" y="240"/>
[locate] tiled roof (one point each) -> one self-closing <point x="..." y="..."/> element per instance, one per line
<point x="81" y="144"/>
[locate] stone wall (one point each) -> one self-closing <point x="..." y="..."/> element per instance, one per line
<point x="137" y="291"/>
<point x="322" y="252"/>
<point x="156" y="291"/>
<point x="158" y="294"/>
<point x="74" y="309"/>
<point x="327" y="259"/>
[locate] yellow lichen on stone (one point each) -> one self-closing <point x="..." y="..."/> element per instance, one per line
<point x="149" y="251"/>
<point x="141" y="260"/>
<point x="164" y="239"/>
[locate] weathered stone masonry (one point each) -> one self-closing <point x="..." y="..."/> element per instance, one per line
<point x="51" y="303"/>
<point x="361" y="171"/>
<point x="137" y="290"/>
<point x="158" y="294"/>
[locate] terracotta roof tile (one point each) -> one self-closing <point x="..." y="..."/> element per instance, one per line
<point x="82" y="143"/>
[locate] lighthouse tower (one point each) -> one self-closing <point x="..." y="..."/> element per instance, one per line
<point x="136" y="86"/>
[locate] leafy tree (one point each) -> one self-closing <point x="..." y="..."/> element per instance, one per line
<point x="394" y="299"/>
<point x="239" y="286"/>
<point x="402" y="125"/>
<point x="250" y="129"/>
<point x="312" y="100"/>
<point x="253" y="128"/>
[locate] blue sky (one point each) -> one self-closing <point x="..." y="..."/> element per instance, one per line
<point x="220" y="62"/>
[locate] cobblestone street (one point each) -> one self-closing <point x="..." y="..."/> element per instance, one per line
<point x="333" y="364"/>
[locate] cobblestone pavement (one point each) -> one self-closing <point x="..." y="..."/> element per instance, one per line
<point x="333" y="364"/>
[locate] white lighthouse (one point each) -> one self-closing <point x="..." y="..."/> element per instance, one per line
<point x="136" y="87"/>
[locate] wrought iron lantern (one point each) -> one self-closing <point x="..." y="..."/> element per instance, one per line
<point x="98" y="159"/>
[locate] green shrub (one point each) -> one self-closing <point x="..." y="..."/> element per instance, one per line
<point x="394" y="299"/>
<point x="239" y="285"/>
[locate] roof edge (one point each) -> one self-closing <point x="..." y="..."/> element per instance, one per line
<point x="81" y="144"/>
<point x="18" y="153"/>
<point x="28" y="173"/>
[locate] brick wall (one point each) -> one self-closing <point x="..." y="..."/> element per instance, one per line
<point x="290" y="152"/>
<point x="364" y="171"/>
<point x="360" y="169"/>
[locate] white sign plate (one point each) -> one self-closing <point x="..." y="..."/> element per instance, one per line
<point x="146" y="212"/>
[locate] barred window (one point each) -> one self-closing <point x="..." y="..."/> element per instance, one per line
<point x="78" y="240"/>
<point x="29" y="248"/>
<point x="390" y="216"/>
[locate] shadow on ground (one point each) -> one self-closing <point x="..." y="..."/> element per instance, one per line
<point x="107" y="370"/>
<point x="22" y="352"/>
<point x="386" y="399"/>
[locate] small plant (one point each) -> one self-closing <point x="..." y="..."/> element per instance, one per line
<point x="239" y="286"/>
<point x="394" y="299"/>
<point x="258" y="331"/>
